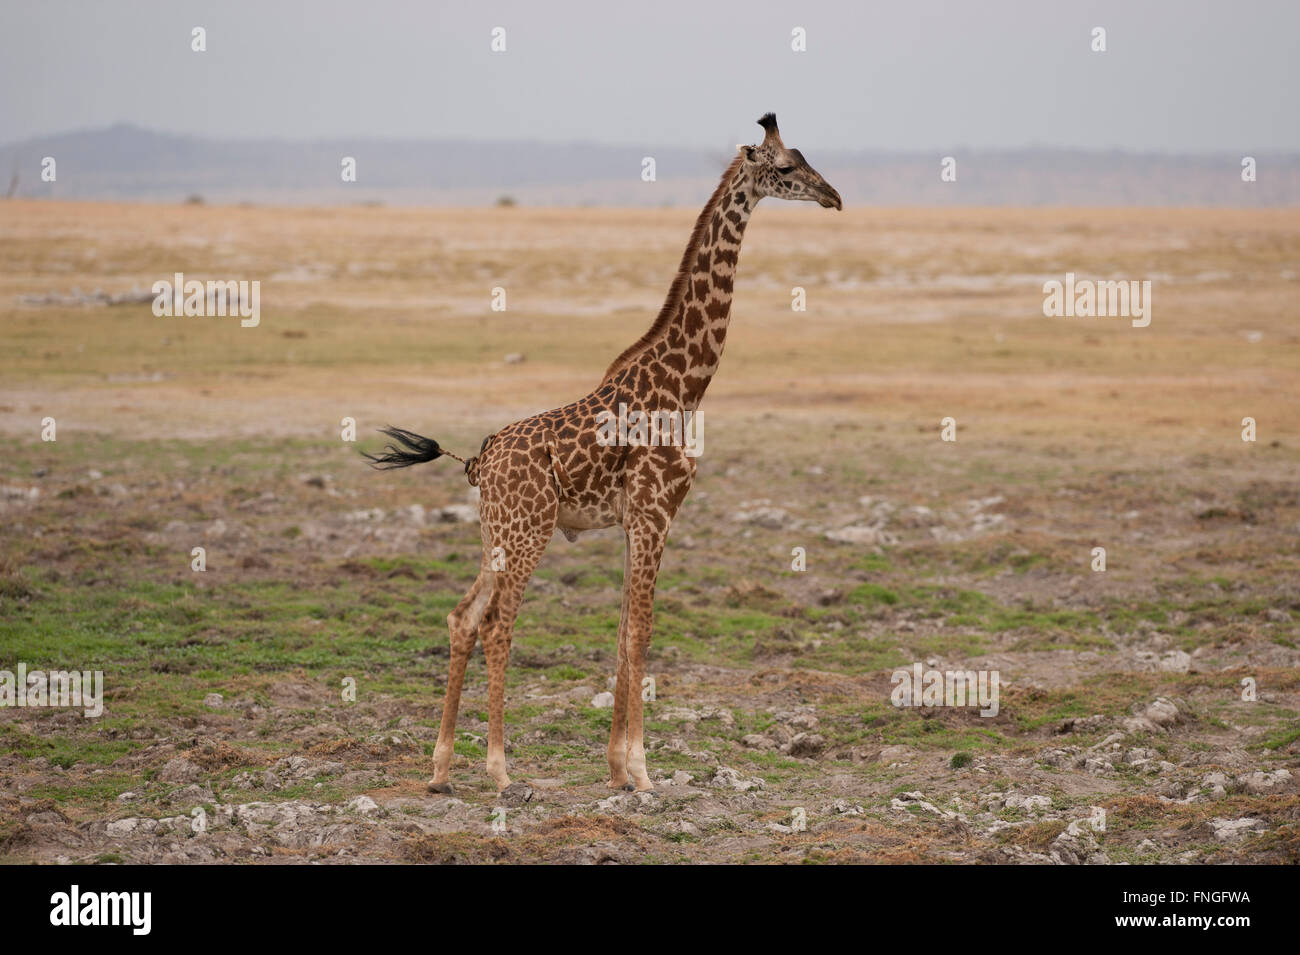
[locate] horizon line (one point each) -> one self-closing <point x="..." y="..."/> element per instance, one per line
<point x="560" y="143"/>
<point x="516" y="206"/>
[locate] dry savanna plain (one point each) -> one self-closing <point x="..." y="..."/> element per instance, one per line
<point x="1147" y="712"/>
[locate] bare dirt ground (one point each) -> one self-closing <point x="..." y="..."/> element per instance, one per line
<point x="1126" y="728"/>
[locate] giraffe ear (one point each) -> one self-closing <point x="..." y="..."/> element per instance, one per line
<point x="746" y="152"/>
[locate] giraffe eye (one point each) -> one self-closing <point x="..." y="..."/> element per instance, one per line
<point x="785" y="170"/>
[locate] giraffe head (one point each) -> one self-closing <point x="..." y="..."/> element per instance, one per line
<point x="783" y="173"/>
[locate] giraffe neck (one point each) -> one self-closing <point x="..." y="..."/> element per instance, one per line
<point x="673" y="363"/>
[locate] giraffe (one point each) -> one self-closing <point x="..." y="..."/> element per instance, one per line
<point x="559" y="470"/>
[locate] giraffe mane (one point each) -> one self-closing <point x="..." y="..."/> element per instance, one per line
<point x="677" y="291"/>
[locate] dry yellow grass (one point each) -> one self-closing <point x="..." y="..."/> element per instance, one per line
<point x="913" y="314"/>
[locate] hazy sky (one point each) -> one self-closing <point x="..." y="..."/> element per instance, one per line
<point x="1178" y="75"/>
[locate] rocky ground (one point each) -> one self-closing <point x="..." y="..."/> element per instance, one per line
<point x="1121" y="734"/>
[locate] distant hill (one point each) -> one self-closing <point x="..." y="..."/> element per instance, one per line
<point x="127" y="162"/>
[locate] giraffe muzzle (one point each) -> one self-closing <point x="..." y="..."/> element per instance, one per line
<point x="830" y="199"/>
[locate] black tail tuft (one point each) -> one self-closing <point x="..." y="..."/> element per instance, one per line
<point x="418" y="449"/>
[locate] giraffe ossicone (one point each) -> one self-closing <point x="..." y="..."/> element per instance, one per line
<point x="559" y="471"/>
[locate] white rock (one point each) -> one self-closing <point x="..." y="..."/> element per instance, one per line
<point x="1028" y="803"/>
<point x="1157" y="716"/>
<point x="895" y="754"/>
<point x="773" y="518"/>
<point x="1217" y="783"/>
<point x="364" y="805"/>
<point x="14" y="491"/>
<point x="679" y="714"/>
<point x="1230" y="829"/>
<point x="180" y="770"/>
<point x="1096" y="764"/>
<point x="724" y="777"/>
<point x="603" y="701"/>
<point x="905" y="801"/>
<point x="861" y="534"/>
<point x="1261" y="782"/>
<point x="124" y="827"/>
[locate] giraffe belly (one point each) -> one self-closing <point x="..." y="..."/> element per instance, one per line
<point x="573" y="516"/>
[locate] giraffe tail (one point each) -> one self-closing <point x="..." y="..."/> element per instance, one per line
<point x="417" y="449"/>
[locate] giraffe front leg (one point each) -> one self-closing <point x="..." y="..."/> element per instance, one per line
<point x="645" y="550"/>
<point x="496" y="648"/>
<point x="617" y="751"/>
<point x="636" y="765"/>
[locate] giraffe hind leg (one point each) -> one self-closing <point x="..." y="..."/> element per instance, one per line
<point x="463" y="622"/>
<point x="521" y="557"/>
<point x="517" y="513"/>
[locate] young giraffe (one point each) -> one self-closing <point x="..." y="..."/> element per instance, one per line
<point x="558" y="469"/>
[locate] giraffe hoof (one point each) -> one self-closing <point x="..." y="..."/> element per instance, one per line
<point x="628" y="788"/>
<point x="446" y="789"/>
